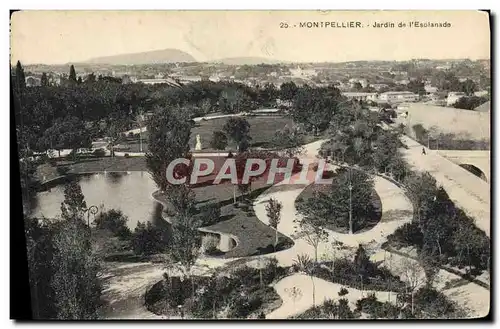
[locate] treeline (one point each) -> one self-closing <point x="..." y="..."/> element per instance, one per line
<point x="439" y="230"/>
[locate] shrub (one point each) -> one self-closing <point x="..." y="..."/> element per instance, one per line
<point x="114" y="221"/>
<point x="62" y="170"/>
<point x="148" y="239"/>
<point x="99" y="153"/>
<point x="126" y="155"/>
<point x="209" y="244"/>
<point x="209" y="214"/>
<point x="343" y="291"/>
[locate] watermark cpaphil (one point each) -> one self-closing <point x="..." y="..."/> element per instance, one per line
<point x="244" y="170"/>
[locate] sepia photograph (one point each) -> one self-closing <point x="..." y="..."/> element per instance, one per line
<point x="251" y="164"/>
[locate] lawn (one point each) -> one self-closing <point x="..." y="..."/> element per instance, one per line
<point x="254" y="237"/>
<point x="262" y="129"/>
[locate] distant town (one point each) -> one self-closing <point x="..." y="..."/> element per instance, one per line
<point x="462" y="84"/>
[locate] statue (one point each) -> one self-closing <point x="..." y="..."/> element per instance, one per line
<point x="198" y="143"/>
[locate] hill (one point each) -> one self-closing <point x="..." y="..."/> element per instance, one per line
<point x="147" y="57"/>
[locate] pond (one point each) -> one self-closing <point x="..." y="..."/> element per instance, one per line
<point x="128" y="192"/>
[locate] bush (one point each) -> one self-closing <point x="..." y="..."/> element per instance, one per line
<point x="99" y="153"/>
<point x="377" y="309"/>
<point x="343" y="291"/>
<point x="114" y="221"/>
<point x="210" y="214"/>
<point x="126" y="155"/>
<point x="148" y="239"/>
<point x="62" y="170"/>
<point x="209" y="244"/>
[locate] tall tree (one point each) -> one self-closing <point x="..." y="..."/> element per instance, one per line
<point x="20" y="77"/>
<point x="74" y="203"/>
<point x="169" y="135"/>
<point x="72" y="74"/>
<point x="76" y="280"/>
<point x="186" y="243"/>
<point x="273" y="211"/>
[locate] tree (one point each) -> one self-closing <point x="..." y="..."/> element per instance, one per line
<point x="40" y="252"/>
<point x="186" y="243"/>
<point x="362" y="261"/>
<point x="79" y="81"/>
<point x="312" y="229"/>
<point x="181" y="200"/>
<point x="238" y="130"/>
<point x="422" y="190"/>
<point x="74" y="204"/>
<point x="468" y="87"/>
<point x="72" y="74"/>
<point x="357" y="86"/>
<point x="76" y="280"/>
<point x="430" y="267"/>
<point x="411" y="274"/>
<point x="148" y="239"/>
<point x="20" y="82"/>
<point x="273" y="211"/>
<point x="288" y="90"/>
<point x="114" y="221"/>
<point x="339" y="205"/>
<point x="169" y="135"/>
<point x="219" y="140"/>
<point x="469" y="103"/>
<point x="66" y="133"/>
<point x="233" y="100"/>
<point x="90" y="78"/>
<point x="44" y="80"/>
<point x="290" y="139"/>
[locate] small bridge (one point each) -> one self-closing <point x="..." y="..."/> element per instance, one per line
<point x="475" y="161"/>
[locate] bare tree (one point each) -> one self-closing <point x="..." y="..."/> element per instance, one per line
<point x="413" y="276"/>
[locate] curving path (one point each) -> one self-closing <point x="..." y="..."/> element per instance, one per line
<point x="396" y="211"/>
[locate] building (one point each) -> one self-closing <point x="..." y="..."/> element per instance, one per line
<point x="32" y="81"/>
<point x="398" y="97"/>
<point x="360" y="96"/>
<point x="298" y="72"/>
<point x="453" y="97"/>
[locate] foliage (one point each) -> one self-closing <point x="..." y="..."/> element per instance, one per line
<point x="290" y="139"/>
<point x="209" y="244"/>
<point x="329" y="310"/>
<point x="377" y="309"/>
<point x="238" y="130"/>
<point x="209" y="214"/>
<point x="303" y="263"/>
<point x="186" y="241"/>
<point x="343" y="291"/>
<point x="74" y="203"/>
<point x="149" y="239"/>
<point x="470" y="103"/>
<point x="219" y="140"/>
<point x="332" y="208"/>
<point x="99" y="153"/>
<point x="114" y="221"/>
<point x="76" y="284"/>
<point x="168" y="133"/>
<point x="273" y="212"/>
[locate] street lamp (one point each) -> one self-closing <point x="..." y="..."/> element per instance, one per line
<point x="90" y="210"/>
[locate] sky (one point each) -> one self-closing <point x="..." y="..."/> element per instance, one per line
<point x="60" y="37"/>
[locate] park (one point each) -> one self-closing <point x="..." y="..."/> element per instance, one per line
<point x="249" y="215"/>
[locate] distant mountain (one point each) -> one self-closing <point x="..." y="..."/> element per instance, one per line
<point x="147" y="57"/>
<point x="247" y="61"/>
